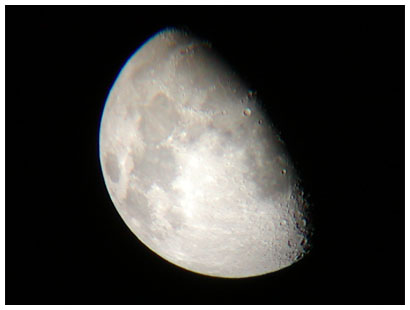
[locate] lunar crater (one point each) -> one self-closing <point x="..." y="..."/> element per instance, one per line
<point x="112" y="168"/>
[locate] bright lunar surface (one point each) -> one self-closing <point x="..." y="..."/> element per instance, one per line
<point x="194" y="166"/>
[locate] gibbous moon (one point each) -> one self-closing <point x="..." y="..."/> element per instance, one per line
<point x="194" y="166"/>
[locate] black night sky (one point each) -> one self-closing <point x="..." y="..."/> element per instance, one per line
<point x="331" y="78"/>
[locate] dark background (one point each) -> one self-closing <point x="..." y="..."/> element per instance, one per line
<point x="332" y="79"/>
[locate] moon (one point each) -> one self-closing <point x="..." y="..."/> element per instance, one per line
<point x="194" y="166"/>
